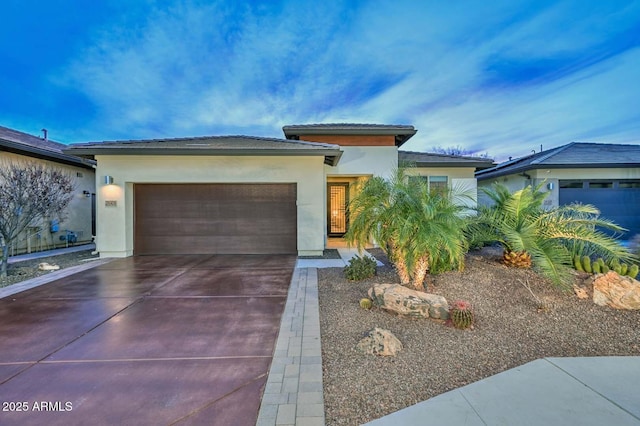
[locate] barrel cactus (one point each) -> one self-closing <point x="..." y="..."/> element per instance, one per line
<point x="365" y="303"/>
<point x="461" y="314"/>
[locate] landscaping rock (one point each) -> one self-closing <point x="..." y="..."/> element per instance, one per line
<point x="44" y="266"/>
<point x="581" y="292"/>
<point x="380" y="342"/>
<point x="619" y="292"/>
<point x="404" y="301"/>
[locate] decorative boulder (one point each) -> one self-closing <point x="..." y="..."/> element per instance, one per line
<point x="619" y="292"/>
<point x="412" y="303"/>
<point x="380" y="342"/>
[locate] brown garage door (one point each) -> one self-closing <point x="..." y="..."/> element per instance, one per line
<point x="215" y="219"/>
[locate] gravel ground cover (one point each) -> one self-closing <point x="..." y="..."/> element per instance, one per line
<point x="513" y="326"/>
<point x="22" y="271"/>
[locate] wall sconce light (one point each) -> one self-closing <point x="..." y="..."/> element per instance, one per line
<point x="550" y="186"/>
<point x="86" y="193"/>
<point x="108" y="180"/>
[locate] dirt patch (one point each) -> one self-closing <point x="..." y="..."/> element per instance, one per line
<point x="22" y="271"/>
<point x="511" y="329"/>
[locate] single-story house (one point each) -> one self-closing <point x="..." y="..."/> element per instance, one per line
<point x="16" y="147"/>
<point x="244" y="194"/>
<point x="604" y="175"/>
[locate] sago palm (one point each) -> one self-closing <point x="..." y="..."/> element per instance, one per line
<point x="533" y="235"/>
<point x="420" y="230"/>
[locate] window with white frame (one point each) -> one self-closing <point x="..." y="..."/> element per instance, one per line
<point x="435" y="183"/>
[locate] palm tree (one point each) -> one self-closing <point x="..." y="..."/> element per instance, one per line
<point x="419" y="230"/>
<point x="531" y="235"/>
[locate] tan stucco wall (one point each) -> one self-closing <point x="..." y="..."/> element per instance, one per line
<point x="115" y="224"/>
<point x="78" y="216"/>
<point x="365" y="161"/>
<point x="451" y="172"/>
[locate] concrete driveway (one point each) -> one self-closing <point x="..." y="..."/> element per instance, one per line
<point x="144" y="340"/>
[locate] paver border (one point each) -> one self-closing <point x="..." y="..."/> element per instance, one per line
<point x="293" y="394"/>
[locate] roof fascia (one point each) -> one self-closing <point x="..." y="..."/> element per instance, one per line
<point x="332" y="156"/>
<point x="44" y="154"/>
<point x="483" y="174"/>
<point x="401" y="135"/>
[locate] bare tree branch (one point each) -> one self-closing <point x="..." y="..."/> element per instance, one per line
<point x="30" y="193"/>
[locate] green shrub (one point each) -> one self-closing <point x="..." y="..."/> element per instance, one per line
<point x="360" y="268"/>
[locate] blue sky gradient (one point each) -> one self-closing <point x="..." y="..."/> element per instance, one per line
<point x="502" y="77"/>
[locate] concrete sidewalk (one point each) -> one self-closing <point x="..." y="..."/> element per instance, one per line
<point x="551" y="391"/>
<point x="345" y="255"/>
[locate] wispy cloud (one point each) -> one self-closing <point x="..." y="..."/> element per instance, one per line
<point x="503" y="78"/>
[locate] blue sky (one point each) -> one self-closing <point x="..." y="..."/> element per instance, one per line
<point x="502" y="77"/>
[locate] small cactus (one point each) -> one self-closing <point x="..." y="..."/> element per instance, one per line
<point x="633" y="271"/>
<point x="365" y="303"/>
<point x="586" y="264"/>
<point x="597" y="269"/>
<point x="605" y="269"/>
<point x="461" y="314"/>
<point x="624" y="268"/>
<point x="577" y="263"/>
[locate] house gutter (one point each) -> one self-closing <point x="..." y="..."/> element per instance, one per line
<point x="332" y="156"/>
<point x="44" y="154"/>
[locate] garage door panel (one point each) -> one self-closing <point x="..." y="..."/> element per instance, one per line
<point x="208" y="244"/>
<point x="215" y="218"/>
<point x="621" y="205"/>
<point x="200" y="226"/>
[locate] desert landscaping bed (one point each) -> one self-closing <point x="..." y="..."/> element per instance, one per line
<point x="511" y="329"/>
<point x="21" y="271"/>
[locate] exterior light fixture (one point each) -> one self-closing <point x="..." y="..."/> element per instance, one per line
<point x="108" y="180"/>
<point x="86" y="193"/>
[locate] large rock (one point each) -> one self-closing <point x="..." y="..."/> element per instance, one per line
<point x="617" y="291"/>
<point x="404" y="301"/>
<point x="380" y="342"/>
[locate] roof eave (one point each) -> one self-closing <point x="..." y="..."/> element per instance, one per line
<point x="485" y="174"/>
<point x="45" y="154"/>
<point x="470" y="164"/>
<point x="332" y="156"/>
<point x="401" y="135"/>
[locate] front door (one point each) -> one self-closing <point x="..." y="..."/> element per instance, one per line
<point x="338" y="219"/>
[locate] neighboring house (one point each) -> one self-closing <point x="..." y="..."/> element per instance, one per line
<point x="242" y="194"/>
<point x="604" y="175"/>
<point x="17" y="146"/>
